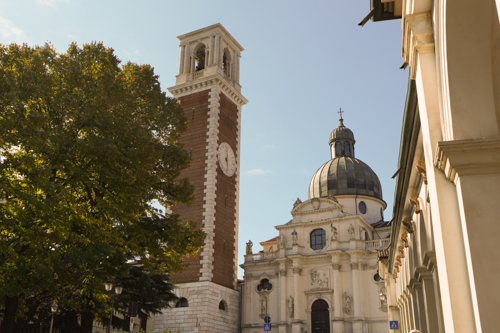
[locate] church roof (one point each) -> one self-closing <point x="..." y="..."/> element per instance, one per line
<point x="344" y="175"/>
<point x="272" y="240"/>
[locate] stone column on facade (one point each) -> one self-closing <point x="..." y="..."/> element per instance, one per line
<point x="238" y="56"/>
<point x="283" y="297"/>
<point x="208" y="50"/>
<point x="297" y="322"/>
<point x="357" y="325"/>
<point x="429" y="299"/>
<point x="419" y="306"/>
<point x="192" y="65"/>
<point x="217" y="50"/>
<point x="186" y="62"/>
<point x="338" y="323"/>
<point x="212" y="50"/>
<point x="458" y="312"/>
<point x="404" y="313"/>
<point x="411" y="308"/>
<point x="181" y="60"/>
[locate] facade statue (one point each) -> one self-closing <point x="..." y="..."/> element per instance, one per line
<point x="347" y="303"/>
<point x="290" y="306"/>
<point x="295" y="237"/>
<point x="297" y="202"/>
<point x="362" y="233"/>
<point x="263" y="305"/>
<point x="383" y="299"/>
<point x="351" y="232"/>
<point x="249" y="247"/>
<point x="281" y="242"/>
<point x="335" y="233"/>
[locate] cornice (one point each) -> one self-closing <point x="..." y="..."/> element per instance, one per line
<point x="318" y="291"/>
<point x="468" y="157"/>
<point x="207" y="83"/>
<point x="326" y="221"/>
<point x="418" y="37"/>
<point x="216" y="26"/>
<point x="336" y="206"/>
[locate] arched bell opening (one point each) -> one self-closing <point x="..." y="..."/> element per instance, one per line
<point x="226" y="62"/>
<point x="320" y="317"/>
<point x="200" y="56"/>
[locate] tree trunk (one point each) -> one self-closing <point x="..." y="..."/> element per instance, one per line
<point x="70" y="322"/>
<point x="9" y="318"/>
<point x="87" y="322"/>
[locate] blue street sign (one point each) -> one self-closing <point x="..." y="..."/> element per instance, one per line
<point x="267" y="327"/>
<point x="393" y="325"/>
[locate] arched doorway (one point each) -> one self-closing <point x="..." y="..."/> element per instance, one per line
<point x="320" y="317"/>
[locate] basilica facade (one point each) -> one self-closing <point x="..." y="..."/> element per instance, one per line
<point x="320" y="274"/>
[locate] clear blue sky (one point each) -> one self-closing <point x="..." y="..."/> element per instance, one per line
<point x="302" y="61"/>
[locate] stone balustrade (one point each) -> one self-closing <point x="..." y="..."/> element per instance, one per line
<point x="198" y="74"/>
<point x="377" y="244"/>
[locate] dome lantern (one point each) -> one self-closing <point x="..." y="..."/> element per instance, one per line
<point x="341" y="140"/>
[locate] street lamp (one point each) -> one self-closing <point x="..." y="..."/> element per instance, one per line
<point x="53" y="309"/>
<point x="118" y="290"/>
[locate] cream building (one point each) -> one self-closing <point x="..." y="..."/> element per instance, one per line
<point x="320" y="273"/>
<point x="442" y="269"/>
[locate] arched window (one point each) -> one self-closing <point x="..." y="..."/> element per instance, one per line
<point x="264" y="285"/>
<point x="338" y="149"/>
<point x="347" y="149"/>
<point x="222" y="305"/>
<point x="318" y="239"/>
<point x="182" y="303"/>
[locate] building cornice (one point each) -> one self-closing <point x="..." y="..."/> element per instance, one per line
<point x="418" y="38"/>
<point x="468" y="157"/>
<point x="212" y="28"/>
<point x="325" y="221"/>
<point x="205" y="83"/>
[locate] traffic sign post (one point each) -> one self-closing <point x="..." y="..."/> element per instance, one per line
<point x="267" y="327"/>
<point x="393" y="325"/>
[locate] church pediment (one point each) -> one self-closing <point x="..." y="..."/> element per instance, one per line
<point x="316" y="205"/>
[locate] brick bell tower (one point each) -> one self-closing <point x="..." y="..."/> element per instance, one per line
<point x="209" y="90"/>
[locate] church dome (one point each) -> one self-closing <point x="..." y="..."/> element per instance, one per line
<point x="344" y="174"/>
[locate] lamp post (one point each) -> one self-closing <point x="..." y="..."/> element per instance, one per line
<point x="118" y="290"/>
<point x="53" y="309"/>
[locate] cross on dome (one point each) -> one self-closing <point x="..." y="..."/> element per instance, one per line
<point x="340" y="111"/>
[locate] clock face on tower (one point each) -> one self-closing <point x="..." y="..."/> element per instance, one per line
<point x="227" y="161"/>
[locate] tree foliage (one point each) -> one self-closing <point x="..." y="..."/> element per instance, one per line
<point x="87" y="147"/>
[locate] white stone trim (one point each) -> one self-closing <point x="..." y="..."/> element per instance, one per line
<point x="237" y="195"/>
<point x="210" y="184"/>
<point x="205" y="83"/>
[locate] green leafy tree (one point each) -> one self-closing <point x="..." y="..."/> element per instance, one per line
<point x="151" y="291"/>
<point x="87" y="146"/>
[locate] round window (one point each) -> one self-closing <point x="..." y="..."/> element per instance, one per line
<point x="362" y="207"/>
